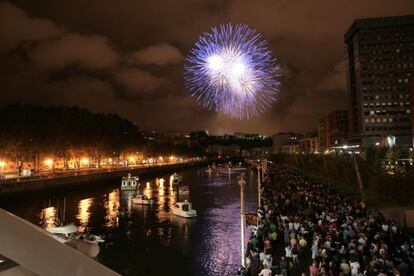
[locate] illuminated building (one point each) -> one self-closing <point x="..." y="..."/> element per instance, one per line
<point x="380" y="62"/>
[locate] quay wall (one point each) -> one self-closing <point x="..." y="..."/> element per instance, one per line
<point x="17" y="187"/>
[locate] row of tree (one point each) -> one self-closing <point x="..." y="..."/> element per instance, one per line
<point x="366" y="177"/>
<point x="29" y="131"/>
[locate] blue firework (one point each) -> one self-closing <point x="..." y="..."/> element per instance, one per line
<point x="231" y="70"/>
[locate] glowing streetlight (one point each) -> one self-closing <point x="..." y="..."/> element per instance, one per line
<point x="2" y="164"/>
<point x="48" y="162"/>
<point x="85" y="161"/>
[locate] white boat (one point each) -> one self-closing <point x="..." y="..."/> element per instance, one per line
<point x="183" y="190"/>
<point x="141" y="200"/>
<point x="176" y="179"/>
<point x="129" y="182"/>
<point x="70" y="231"/>
<point x="63" y="230"/>
<point x="184" y="209"/>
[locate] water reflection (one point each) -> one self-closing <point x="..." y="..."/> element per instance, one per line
<point x="84" y="213"/>
<point x="112" y="204"/>
<point x="48" y="217"/>
<point x="126" y="202"/>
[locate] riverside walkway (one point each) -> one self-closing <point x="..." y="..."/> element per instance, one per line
<point x="72" y="178"/>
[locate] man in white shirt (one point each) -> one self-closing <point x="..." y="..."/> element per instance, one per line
<point x="265" y="272"/>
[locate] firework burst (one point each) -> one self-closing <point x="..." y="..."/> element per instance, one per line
<point x="231" y="70"/>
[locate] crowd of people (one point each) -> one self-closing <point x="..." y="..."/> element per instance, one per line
<point x="304" y="228"/>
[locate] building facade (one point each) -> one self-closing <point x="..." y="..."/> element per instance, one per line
<point x="380" y="63"/>
<point x="283" y="138"/>
<point x="291" y="148"/>
<point x="309" y="144"/>
<point x="333" y="130"/>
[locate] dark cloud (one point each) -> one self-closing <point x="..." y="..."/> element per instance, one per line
<point x="160" y="54"/>
<point x="74" y="49"/>
<point x="16" y="27"/>
<point x="132" y="52"/>
<point x="138" y="80"/>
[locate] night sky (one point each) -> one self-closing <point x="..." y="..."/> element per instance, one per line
<point x="127" y="56"/>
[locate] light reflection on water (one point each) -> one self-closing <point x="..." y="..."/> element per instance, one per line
<point x="112" y="204"/>
<point x="139" y="237"/>
<point x="48" y="217"/>
<point x="84" y="213"/>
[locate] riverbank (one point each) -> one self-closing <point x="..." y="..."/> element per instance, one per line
<point x="64" y="181"/>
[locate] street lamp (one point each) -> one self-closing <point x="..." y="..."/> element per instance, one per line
<point x="242" y="183"/>
<point x="48" y="162"/>
<point x="259" y="182"/>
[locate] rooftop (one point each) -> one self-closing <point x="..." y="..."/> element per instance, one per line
<point x="378" y="22"/>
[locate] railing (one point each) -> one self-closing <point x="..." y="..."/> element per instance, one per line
<point x="37" y="253"/>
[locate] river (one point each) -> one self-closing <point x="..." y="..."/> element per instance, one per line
<point x="150" y="240"/>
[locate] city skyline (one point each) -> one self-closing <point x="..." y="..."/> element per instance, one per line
<point x="127" y="61"/>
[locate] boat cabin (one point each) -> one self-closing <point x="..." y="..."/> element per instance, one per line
<point x="129" y="182"/>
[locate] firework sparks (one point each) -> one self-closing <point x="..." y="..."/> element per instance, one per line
<point x="230" y="70"/>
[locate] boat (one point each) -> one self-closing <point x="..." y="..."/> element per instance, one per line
<point x="65" y="230"/>
<point x="176" y="179"/>
<point x="129" y="183"/>
<point x="141" y="200"/>
<point x="70" y="231"/>
<point x="183" y="190"/>
<point x="184" y="209"/>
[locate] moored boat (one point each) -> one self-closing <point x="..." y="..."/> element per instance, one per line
<point x="129" y="182"/>
<point x="184" y="209"/>
<point x="141" y="200"/>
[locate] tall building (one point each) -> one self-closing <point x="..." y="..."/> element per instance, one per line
<point x="333" y="130"/>
<point x="380" y="61"/>
<point x="283" y="138"/>
<point x="412" y="109"/>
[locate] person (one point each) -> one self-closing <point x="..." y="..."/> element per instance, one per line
<point x="267" y="262"/>
<point x="295" y="258"/>
<point x="354" y="268"/>
<point x="313" y="269"/>
<point x="283" y="266"/>
<point x="265" y="271"/>
<point x="345" y="269"/>
<point x="288" y="251"/>
<point x="315" y="250"/>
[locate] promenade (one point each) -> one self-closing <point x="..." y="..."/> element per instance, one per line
<point x="72" y="178"/>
